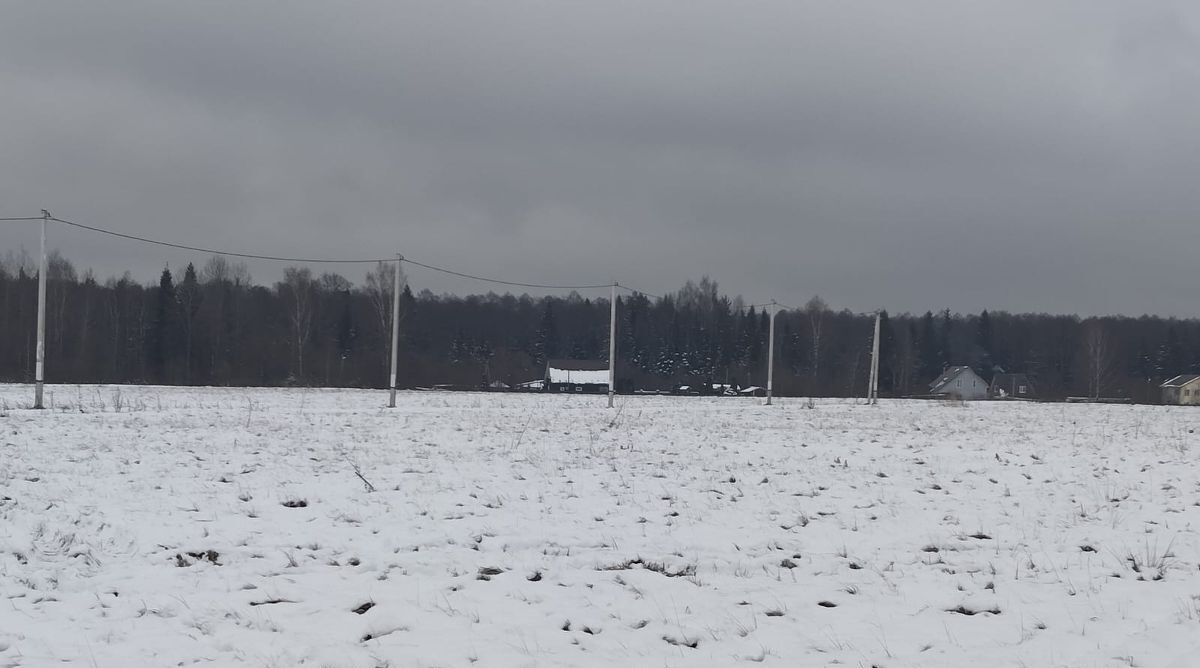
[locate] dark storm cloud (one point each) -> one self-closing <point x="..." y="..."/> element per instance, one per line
<point x="1016" y="155"/>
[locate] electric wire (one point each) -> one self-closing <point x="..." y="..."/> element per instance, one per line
<point x="503" y="282"/>
<point x="280" y="258"/>
<point x="214" y="251"/>
<point x="635" y="291"/>
<point x="315" y="260"/>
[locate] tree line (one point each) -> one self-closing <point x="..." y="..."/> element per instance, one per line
<point x="216" y="326"/>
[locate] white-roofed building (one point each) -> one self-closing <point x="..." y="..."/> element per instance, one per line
<point x="577" y="376"/>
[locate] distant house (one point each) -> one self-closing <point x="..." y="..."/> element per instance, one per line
<point x="708" y="390"/>
<point x="1012" y="386"/>
<point x="1182" y="390"/>
<point x="577" y="376"/>
<point x="959" y="382"/>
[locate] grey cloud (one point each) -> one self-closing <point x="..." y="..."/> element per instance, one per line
<point x="1017" y="155"/>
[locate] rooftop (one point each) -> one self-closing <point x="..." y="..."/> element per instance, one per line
<point x="1180" y="381"/>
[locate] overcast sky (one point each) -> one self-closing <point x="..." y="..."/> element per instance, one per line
<point x="1018" y="155"/>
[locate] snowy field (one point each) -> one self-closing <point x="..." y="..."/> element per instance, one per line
<point x="167" y="526"/>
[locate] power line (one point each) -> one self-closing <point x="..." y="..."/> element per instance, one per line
<point x="312" y="260"/>
<point x="278" y="258"/>
<point x="214" y="251"/>
<point x="502" y="282"/>
<point x="639" y="292"/>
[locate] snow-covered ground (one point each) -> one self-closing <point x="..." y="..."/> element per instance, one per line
<point x="168" y="526"/>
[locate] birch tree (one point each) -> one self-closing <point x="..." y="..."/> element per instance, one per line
<point x="818" y="312"/>
<point x="297" y="290"/>
<point x="381" y="282"/>
<point x="1097" y="356"/>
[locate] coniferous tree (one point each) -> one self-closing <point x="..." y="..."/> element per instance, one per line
<point x="983" y="341"/>
<point x="1171" y="355"/>
<point x="944" y="336"/>
<point x="162" y="329"/>
<point x="546" y="347"/>
<point x="189" y="298"/>
<point x="887" y="355"/>
<point x="216" y="326"/>
<point x="929" y="350"/>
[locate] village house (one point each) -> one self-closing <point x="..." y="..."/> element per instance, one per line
<point x="1012" y="386"/>
<point x="959" y="382"/>
<point x="1182" y="390"/>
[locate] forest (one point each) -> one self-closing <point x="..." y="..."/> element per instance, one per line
<point x="216" y="326"/>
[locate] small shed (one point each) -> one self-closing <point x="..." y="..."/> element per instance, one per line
<point x="1182" y="390"/>
<point x="577" y="376"/>
<point x="959" y="382"/>
<point x="1012" y="386"/>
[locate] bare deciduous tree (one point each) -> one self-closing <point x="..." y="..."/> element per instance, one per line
<point x="218" y="269"/>
<point x="817" y="311"/>
<point x="1097" y="356"/>
<point x="62" y="279"/>
<point x="380" y="282"/>
<point x="297" y="290"/>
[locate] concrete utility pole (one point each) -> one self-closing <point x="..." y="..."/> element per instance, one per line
<point x="612" y="345"/>
<point x="395" y="329"/>
<point x="771" y="354"/>
<point x="40" y="371"/>
<point x="873" y="383"/>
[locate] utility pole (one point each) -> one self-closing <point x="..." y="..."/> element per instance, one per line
<point x="40" y="371"/>
<point x="395" y="329"/>
<point x="873" y="383"/>
<point x="771" y="354"/>
<point x="612" y="345"/>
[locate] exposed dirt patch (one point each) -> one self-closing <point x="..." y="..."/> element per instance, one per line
<point x="270" y="601"/>
<point x="655" y="566"/>
<point x="971" y="612"/>
<point x="487" y="572"/>
<point x="185" y="559"/>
